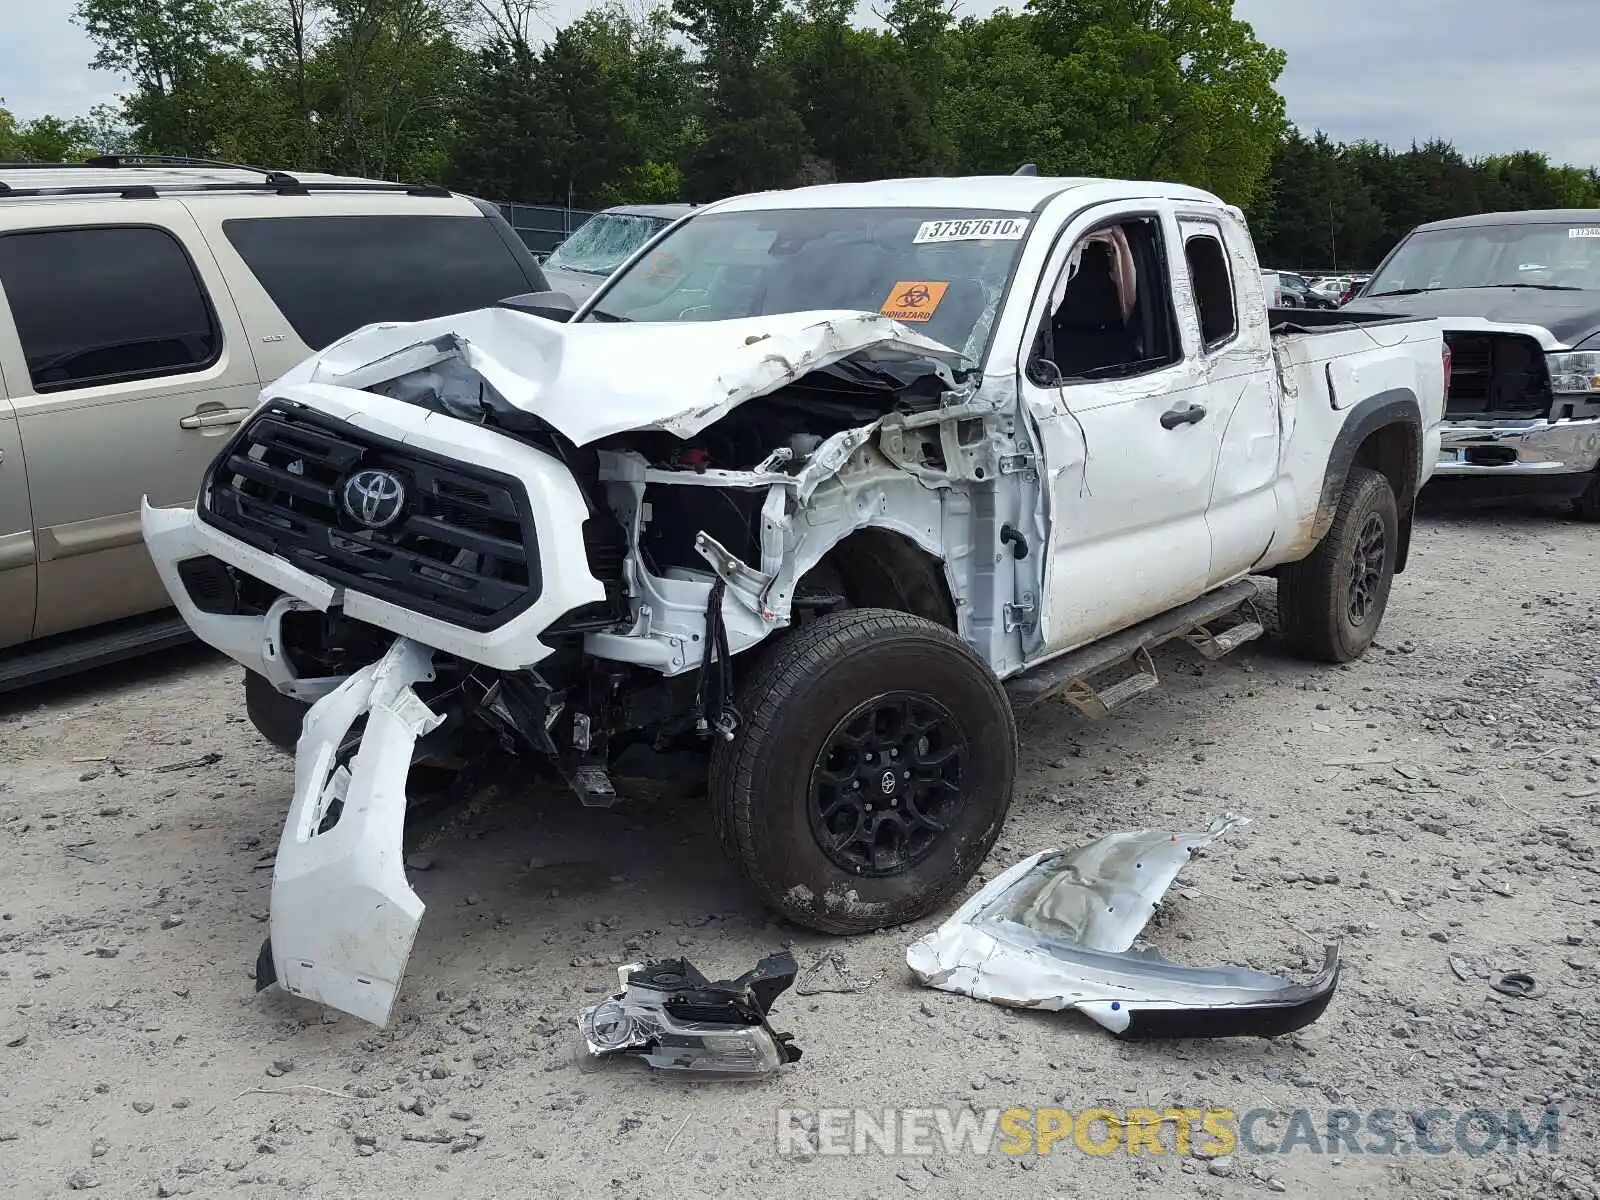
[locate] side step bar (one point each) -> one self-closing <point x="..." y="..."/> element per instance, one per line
<point x="66" y="654"/>
<point x="1071" y="676"/>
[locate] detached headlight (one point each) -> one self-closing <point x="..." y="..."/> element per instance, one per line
<point x="1574" y="372"/>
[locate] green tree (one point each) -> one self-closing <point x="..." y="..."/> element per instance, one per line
<point x="170" y="50"/>
<point x="601" y="115"/>
<point x="752" y="137"/>
<point x="1004" y="104"/>
<point x="45" y="139"/>
<point x="1163" y="89"/>
<point x="857" y="95"/>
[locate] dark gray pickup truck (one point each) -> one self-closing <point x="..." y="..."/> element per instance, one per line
<point x="1518" y="295"/>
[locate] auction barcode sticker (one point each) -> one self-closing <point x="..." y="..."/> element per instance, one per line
<point x="1585" y="231"/>
<point x="980" y="229"/>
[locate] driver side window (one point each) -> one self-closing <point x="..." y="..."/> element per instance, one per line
<point x="1110" y="313"/>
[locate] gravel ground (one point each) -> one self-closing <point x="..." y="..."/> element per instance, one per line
<point x="1432" y="807"/>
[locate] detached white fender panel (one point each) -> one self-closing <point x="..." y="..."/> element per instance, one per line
<point x="343" y="915"/>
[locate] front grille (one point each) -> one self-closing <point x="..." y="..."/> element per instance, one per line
<point x="1497" y="374"/>
<point x="462" y="550"/>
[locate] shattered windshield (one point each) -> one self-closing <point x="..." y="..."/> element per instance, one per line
<point x="1560" y="255"/>
<point x="940" y="271"/>
<point x="603" y="241"/>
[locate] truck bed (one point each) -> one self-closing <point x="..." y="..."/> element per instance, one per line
<point x="1326" y="320"/>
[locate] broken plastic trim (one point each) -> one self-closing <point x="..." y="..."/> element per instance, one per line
<point x="343" y="915"/>
<point x="1054" y="932"/>
<point x="676" y="1020"/>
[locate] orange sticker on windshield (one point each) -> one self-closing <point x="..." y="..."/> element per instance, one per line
<point x="913" y="300"/>
<point x="663" y="266"/>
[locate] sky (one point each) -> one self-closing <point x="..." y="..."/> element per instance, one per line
<point x="1490" y="76"/>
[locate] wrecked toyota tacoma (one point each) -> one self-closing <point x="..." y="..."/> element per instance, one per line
<point x="1518" y="297"/>
<point x="817" y="487"/>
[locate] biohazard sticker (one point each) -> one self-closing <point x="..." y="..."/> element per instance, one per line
<point x="663" y="267"/>
<point x="984" y="229"/>
<point x="913" y="300"/>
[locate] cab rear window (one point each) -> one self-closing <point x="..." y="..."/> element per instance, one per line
<point x="331" y="275"/>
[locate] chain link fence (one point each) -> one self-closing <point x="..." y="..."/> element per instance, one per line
<point x="543" y="227"/>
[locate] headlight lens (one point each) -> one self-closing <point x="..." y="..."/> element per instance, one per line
<point x="1575" y="372"/>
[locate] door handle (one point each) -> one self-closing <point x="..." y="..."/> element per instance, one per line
<point x="212" y="417"/>
<point x="1191" y="414"/>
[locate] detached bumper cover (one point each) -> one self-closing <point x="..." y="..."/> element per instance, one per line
<point x="1506" y="448"/>
<point x="1053" y="932"/>
<point x="343" y="915"/>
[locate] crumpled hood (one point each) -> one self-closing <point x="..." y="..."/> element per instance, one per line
<point x="1568" y="317"/>
<point x="592" y="379"/>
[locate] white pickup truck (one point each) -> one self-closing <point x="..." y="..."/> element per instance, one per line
<point x="821" y="483"/>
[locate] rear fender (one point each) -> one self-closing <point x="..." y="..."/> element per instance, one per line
<point x="1395" y="407"/>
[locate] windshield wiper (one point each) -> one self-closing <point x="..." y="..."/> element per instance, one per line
<point x="1400" y="292"/>
<point x="600" y="314"/>
<point x="1541" y="287"/>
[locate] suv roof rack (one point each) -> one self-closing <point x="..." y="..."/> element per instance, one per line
<point x="168" y="160"/>
<point x="280" y="182"/>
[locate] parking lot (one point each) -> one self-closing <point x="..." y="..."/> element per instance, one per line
<point x="1431" y="807"/>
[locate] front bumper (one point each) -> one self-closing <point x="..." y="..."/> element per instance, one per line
<point x="559" y="512"/>
<point x="343" y="915"/>
<point x="1519" y="448"/>
<point x="254" y="641"/>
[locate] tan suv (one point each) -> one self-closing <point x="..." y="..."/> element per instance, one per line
<point x="143" y="303"/>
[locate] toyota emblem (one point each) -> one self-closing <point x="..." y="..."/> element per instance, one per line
<point x="887" y="783"/>
<point x="374" y="498"/>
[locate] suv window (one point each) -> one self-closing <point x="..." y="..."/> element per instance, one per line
<point x="332" y="275"/>
<point x="1213" y="288"/>
<point x="105" y="304"/>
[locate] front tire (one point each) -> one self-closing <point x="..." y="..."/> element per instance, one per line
<point x="871" y="772"/>
<point x="276" y="717"/>
<point x="1587" y="506"/>
<point x="1331" y="603"/>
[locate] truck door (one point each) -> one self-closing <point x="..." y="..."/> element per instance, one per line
<point x="1128" y="442"/>
<point x="1235" y="349"/>
<point x="126" y="364"/>
<point x="18" y="578"/>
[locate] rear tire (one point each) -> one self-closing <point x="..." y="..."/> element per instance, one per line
<point x="1331" y="603"/>
<point x="871" y="772"/>
<point x="276" y="717"/>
